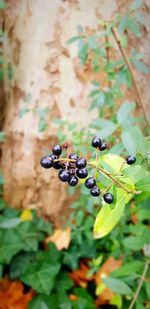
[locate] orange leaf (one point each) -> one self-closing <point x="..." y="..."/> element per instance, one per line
<point x="61" y="238"/>
<point x="79" y="276"/>
<point x="110" y="265"/>
<point x="12" y="295"/>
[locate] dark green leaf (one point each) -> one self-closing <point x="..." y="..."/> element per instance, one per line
<point x="133" y="243"/>
<point x="19" y="264"/>
<point x="10" y="244"/>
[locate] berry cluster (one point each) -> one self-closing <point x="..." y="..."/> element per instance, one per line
<point x="73" y="168"/>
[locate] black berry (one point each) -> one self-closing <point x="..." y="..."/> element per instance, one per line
<point x="57" y="150"/>
<point x="64" y="175"/>
<point x="95" y="191"/>
<point x="90" y="182"/>
<point x="57" y="165"/>
<point x="108" y="198"/>
<point x="82" y="173"/>
<point x="103" y="146"/>
<point x="96" y="142"/>
<point x="130" y="160"/>
<point x="81" y="163"/>
<point x="46" y="162"/>
<point x="73" y="181"/>
<point x="73" y="156"/>
<point x="51" y="155"/>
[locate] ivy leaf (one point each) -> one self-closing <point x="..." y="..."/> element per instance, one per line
<point x="117" y="286"/>
<point x="10" y="244"/>
<point x="41" y="273"/>
<point x="107" y="218"/>
<point x="127" y="269"/>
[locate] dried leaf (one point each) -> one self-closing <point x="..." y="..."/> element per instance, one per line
<point x="61" y="238"/>
<point x="80" y="276"/>
<point x="12" y="295"/>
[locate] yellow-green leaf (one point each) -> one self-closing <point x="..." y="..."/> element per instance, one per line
<point x="107" y="218"/>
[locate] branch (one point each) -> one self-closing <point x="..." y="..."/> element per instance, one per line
<point x="140" y="285"/>
<point x="137" y="91"/>
<point x="114" y="179"/>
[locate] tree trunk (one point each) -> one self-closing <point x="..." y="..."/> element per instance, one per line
<point x="42" y="74"/>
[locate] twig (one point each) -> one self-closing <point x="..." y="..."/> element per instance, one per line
<point x="139" y="285"/>
<point x="95" y="168"/>
<point x="115" y="180"/>
<point x="137" y="91"/>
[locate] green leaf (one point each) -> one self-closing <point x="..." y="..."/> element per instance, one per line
<point x="83" y="52"/>
<point x="128" y="142"/>
<point x="73" y="39"/>
<point x="41" y="276"/>
<point x="144" y="184"/>
<point x="141" y="67"/>
<point x="1" y="271"/>
<point x="127" y="269"/>
<point x="134" y="27"/>
<point x="2" y="4"/>
<point x="9" y="223"/>
<point x="108" y="130"/>
<point x="136" y="4"/>
<point x="19" y="264"/>
<point x="107" y="218"/>
<point x="133" y="242"/>
<point x="23" y="111"/>
<point x="10" y="244"/>
<point x="124" y="111"/>
<point x="123" y="23"/>
<point x="29" y="235"/>
<point x="2" y="137"/>
<point x="38" y="303"/>
<point x="42" y="125"/>
<point x="147" y="288"/>
<point x="118" y="286"/>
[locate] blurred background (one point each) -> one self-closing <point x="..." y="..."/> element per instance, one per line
<point x="64" y="76"/>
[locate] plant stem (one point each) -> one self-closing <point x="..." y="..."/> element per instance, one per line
<point x="114" y="179"/>
<point x="139" y="285"/>
<point x="95" y="168"/>
<point x="137" y="91"/>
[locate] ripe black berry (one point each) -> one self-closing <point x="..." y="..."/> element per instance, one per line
<point x="82" y="173"/>
<point x="95" y="191"/>
<point x="103" y="146"/>
<point x="96" y="142"/>
<point x="57" y="150"/>
<point x="90" y="182"/>
<point x="57" y="165"/>
<point x="108" y="198"/>
<point x="73" y="181"/>
<point x="73" y="156"/>
<point x="81" y="163"/>
<point x="64" y="175"/>
<point x="51" y="155"/>
<point x="130" y="160"/>
<point x="46" y="162"/>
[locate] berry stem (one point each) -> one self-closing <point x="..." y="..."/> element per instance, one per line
<point x="137" y="91"/>
<point x="65" y="160"/>
<point x="95" y="168"/>
<point x="122" y="165"/>
<point x="107" y="188"/>
<point x="115" y="180"/>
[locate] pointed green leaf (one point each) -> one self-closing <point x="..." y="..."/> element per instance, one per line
<point x="124" y="111"/>
<point x="144" y="184"/>
<point x="128" y="142"/>
<point x="117" y="285"/>
<point x="107" y="217"/>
